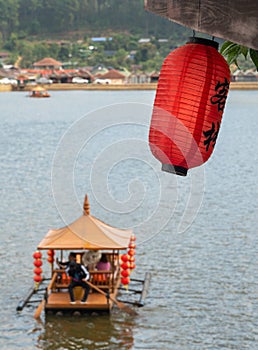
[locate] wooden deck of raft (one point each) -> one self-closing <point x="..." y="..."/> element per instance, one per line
<point x="59" y="298"/>
<point x="95" y="301"/>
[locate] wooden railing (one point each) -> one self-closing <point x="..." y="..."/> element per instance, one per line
<point x="102" y="279"/>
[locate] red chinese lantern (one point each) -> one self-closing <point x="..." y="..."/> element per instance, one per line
<point x="38" y="262"/>
<point x="125" y="265"/>
<point x="131" y="263"/>
<point x="125" y="273"/>
<point x="124" y="257"/>
<point x="131" y="252"/>
<point x="50" y="259"/>
<point x="132" y="266"/>
<point x="51" y="252"/>
<point x="188" y="107"/>
<point x="133" y="238"/>
<point x="37" y="255"/>
<point x="38" y="271"/>
<point x="132" y="245"/>
<point x="37" y="279"/>
<point x="125" y="281"/>
<point x="132" y="259"/>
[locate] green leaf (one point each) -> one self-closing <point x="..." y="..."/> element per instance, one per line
<point x="232" y="51"/>
<point x="244" y="51"/>
<point x="254" y="57"/>
<point x="232" y="54"/>
<point x="232" y="58"/>
<point x="228" y="47"/>
<point x="224" y="46"/>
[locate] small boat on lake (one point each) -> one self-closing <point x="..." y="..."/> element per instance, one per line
<point x="88" y="238"/>
<point x="39" y="91"/>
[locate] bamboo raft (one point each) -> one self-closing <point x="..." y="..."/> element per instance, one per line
<point x="52" y="294"/>
<point x="55" y="298"/>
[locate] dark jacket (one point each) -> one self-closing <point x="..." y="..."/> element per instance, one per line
<point x="78" y="272"/>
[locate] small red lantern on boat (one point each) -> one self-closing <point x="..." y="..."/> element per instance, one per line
<point x="125" y="273"/>
<point x="132" y="259"/>
<point x="37" y="255"/>
<point x="125" y="265"/>
<point x="189" y="103"/>
<point x="132" y="266"/>
<point x="125" y="281"/>
<point x="131" y="252"/>
<point x="132" y="245"/>
<point x="50" y="259"/>
<point x="37" y="278"/>
<point x="38" y="263"/>
<point x="51" y="254"/>
<point x="124" y="257"/>
<point x="38" y="271"/>
<point x="128" y="262"/>
<point x="131" y="263"/>
<point x="133" y="238"/>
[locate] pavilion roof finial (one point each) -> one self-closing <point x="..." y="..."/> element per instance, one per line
<point x="86" y="206"/>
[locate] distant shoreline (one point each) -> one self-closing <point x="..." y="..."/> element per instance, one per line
<point x="113" y="87"/>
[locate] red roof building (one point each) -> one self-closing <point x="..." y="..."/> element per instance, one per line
<point x="48" y="63"/>
<point x="115" y="76"/>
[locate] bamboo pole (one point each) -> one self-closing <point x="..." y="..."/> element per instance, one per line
<point x="43" y="302"/>
<point x="121" y="305"/>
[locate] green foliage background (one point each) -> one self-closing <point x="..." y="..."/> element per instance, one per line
<point x="60" y="16"/>
<point x="33" y="29"/>
<point x="62" y="29"/>
<point x="234" y="52"/>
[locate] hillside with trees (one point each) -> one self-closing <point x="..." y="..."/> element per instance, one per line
<point x="50" y="17"/>
<point x="63" y="29"/>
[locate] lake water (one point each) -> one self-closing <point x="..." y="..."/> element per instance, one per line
<point x="198" y="235"/>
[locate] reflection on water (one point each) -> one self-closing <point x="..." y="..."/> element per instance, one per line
<point x="204" y="288"/>
<point x="87" y="332"/>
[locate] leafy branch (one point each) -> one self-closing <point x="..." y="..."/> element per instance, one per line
<point x="232" y="53"/>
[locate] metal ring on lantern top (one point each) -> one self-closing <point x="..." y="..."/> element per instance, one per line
<point x="203" y="41"/>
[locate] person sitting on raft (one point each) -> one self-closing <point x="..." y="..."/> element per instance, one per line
<point x="79" y="274"/>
